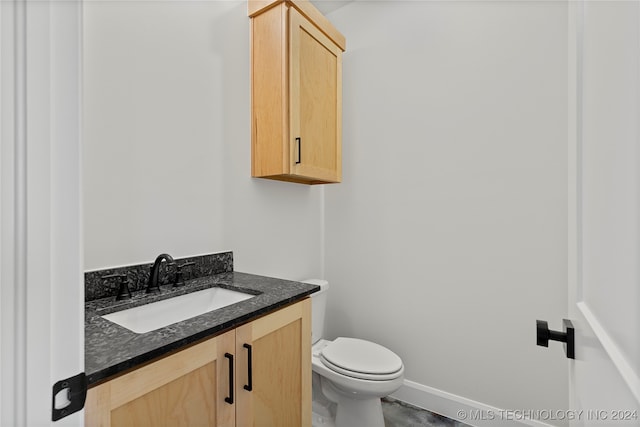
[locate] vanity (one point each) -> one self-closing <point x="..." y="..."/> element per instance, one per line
<point x="245" y="364"/>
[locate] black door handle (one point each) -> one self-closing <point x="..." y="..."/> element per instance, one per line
<point x="299" y="141"/>
<point x="229" y="399"/>
<point x="544" y="334"/>
<point x="249" y="386"/>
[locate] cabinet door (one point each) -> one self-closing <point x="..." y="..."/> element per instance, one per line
<point x="280" y="345"/>
<point x="315" y="101"/>
<point x="187" y="388"/>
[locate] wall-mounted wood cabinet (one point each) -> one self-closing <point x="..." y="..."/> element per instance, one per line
<point x="296" y="93"/>
<point x="209" y="384"/>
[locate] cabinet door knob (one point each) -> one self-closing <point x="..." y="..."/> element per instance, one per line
<point x="299" y="142"/>
<point x="249" y="386"/>
<point x="229" y="399"/>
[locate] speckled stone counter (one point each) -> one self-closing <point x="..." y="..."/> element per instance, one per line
<point x="111" y="349"/>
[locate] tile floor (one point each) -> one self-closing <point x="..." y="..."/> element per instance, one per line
<point x="395" y="412"/>
<point x="400" y="414"/>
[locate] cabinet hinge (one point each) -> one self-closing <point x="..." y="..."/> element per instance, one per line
<point x="68" y="396"/>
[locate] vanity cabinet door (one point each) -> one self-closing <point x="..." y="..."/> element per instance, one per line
<point x="187" y="388"/>
<point x="280" y="392"/>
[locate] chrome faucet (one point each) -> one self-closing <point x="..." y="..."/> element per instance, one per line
<point x="153" y="285"/>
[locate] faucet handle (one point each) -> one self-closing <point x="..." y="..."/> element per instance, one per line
<point x="179" y="280"/>
<point x="123" y="285"/>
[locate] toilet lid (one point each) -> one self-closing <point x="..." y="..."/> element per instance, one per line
<point x="361" y="359"/>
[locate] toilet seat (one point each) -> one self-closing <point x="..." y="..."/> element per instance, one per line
<point x="361" y="359"/>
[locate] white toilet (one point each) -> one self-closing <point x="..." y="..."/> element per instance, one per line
<point x="352" y="373"/>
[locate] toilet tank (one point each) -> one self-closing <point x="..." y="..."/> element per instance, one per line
<point x="318" y="308"/>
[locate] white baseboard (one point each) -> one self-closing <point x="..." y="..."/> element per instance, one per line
<point x="469" y="411"/>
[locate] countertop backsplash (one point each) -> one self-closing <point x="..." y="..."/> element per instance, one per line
<point x="138" y="275"/>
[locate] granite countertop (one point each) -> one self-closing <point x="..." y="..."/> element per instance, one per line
<point x="111" y="349"/>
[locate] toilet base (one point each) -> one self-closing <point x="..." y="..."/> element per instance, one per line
<point x="318" y="420"/>
<point x="360" y="413"/>
<point x="352" y="410"/>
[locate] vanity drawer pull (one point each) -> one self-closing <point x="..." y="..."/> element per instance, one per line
<point x="249" y="386"/>
<point x="229" y="399"/>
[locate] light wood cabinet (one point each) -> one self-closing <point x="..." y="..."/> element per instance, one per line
<point x="281" y="368"/>
<point x="186" y="388"/>
<point x="192" y="387"/>
<point x="296" y="93"/>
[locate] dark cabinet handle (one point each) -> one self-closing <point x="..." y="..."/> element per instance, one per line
<point x="299" y="142"/>
<point x="249" y="386"/>
<point x="544" y="334"/>
<point x="229" y="399"/>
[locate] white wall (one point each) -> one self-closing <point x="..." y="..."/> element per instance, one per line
<point x="167" y="144"/>
<point x="447" y="238"/>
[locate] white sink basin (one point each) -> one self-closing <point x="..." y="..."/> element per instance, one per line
<point x="166" y="312"/>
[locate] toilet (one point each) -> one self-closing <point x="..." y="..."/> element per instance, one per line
<point x="350" y="375"/>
